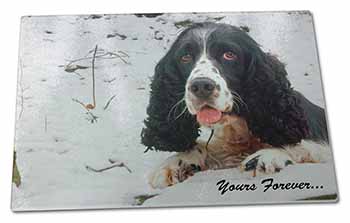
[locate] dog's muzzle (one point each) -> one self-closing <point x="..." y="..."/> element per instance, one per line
<point x="202" y="87"/>
<point x="207" y="95"/>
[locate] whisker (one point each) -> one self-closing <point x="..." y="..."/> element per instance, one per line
<point x="235" y="105"/>
<point x="238" y="98"/>
<point x="183" y="112"/>
<point x="173" y="108"/>
<point x="180" y="93"/>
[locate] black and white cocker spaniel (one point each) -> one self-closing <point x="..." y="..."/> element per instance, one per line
<point x="216" y="76"/>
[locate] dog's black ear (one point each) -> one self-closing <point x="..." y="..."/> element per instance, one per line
<point x="168" y="127"/>
<point x="275" y="114"/>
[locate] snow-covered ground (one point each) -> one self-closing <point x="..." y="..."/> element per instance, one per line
<point x="55" y="138"/>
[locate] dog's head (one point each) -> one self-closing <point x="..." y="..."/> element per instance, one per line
<point x="213" y="59"/>
<point x="212" y="69"/>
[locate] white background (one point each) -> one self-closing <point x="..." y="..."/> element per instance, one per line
<point x="332" y="29"/>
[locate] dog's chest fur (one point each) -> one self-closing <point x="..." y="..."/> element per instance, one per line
<point x="231" y="143"/>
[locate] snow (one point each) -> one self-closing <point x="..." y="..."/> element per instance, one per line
<point x="202" y="188"/>
<point x="55" y="141"/>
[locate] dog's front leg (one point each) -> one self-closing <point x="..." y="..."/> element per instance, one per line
<point x="271" y="160"/>
<point x="178" y="167"/>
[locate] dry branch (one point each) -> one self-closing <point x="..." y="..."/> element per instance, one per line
<point x="120" y="57"/>
<point x="102" y="56"/>
<point x="110" y="81"/>
<point x="124" y="53"/>
<point x="114" y="165"/>
<point x="113" y="161"/>
<point x="140" y="199"/>
<point x="93" y="118"/>
<point x="93" y="105"/>
<point x="93" y="76"/>
<point x="108" y="102"/>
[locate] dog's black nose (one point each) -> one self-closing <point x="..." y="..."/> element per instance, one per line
<point x="202" y="87"/>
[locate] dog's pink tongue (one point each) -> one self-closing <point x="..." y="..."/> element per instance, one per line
<point x="208" y="115"/>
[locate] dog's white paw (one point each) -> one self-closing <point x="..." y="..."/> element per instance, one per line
<point x="177" y="168"/>
<point x="163" y="177"/>
<point x="267" y="161"/>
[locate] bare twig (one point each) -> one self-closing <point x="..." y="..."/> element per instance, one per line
<point x="108" y="102"/>
<point x="93" y="76"/>
<point x="110" y="81"/>
<point x="140" y="199"/>
<point x="101" y="56"/>
<point x="108" y="167"/>
<point x="93" y="117"/>
<point x="93" y="105"/>
<point x="137" y="52"/>
<point x="124" y="165"/>
<point x="124" y="53"/>
<point x="79" y="102"/>
<point x="120" y="57"/>
<point x="79" y="75"/>
<point x="73" y="68"/>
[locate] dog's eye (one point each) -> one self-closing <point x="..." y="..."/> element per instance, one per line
<point x="186" y="58"/>
<point x="229" y="56"/>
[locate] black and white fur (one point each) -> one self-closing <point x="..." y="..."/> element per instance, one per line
<point x="249" y="83"/>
